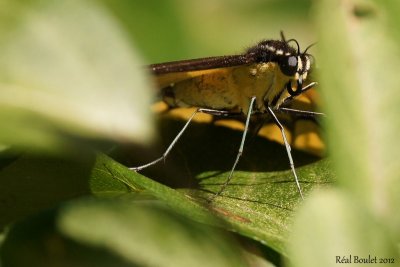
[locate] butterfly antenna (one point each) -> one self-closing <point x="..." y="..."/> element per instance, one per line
<point x="283" y="37"/>
<point x="308" y="47"/>
<point x="297" y="44"/>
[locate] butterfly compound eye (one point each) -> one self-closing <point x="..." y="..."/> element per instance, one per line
<point x="288" y="65"/>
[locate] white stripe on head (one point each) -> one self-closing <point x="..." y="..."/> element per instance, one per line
<point x="299" y="64"/>
<point x="308" y="64"/>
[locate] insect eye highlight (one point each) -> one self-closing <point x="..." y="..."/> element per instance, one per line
<point x="288" y="65"/>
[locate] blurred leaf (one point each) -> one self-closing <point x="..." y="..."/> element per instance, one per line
<point x="117" y="233"/>
<point x="148" y="235"/>
<point x="363" y="99"/>
<point x="30" y="183"/>
<point x="342" y="228"/>
<point x="359" y="57"/>
<point x="67" y="68"/>
<point x="156" y="26"/>
<point x="173" y="29"/>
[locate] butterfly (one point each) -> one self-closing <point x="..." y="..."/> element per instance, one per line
<point x="262" y="80"/>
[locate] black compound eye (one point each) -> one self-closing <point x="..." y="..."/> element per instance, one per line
<point x="288" y="65"/>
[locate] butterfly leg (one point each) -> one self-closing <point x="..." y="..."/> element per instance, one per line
<point x="165" y="154"/>
<point x="302" y="113"/>
<point x="239" y="154"/>
<point x="288" y="149"/>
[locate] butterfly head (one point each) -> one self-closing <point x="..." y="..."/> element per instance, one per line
<point x="292" y="62"/>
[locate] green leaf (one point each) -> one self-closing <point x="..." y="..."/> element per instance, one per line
<point x="179" y="202"/>
<point x="148" y="235"/>
<point x="30" y="183"/>
<point x="95" y="232"/>
<point x="68" y="69"/>
<point x="359" y="58"/>
<point x="363" y="129"/>
<point x="262" y="197"/>
<point x="258" y="205"/>
<point x="325" y="237"/>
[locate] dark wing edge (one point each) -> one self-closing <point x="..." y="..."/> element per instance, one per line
<point x="200" y="64"/>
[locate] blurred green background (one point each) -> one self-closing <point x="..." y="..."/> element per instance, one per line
<point x="174" y="29"/>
